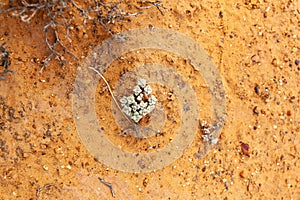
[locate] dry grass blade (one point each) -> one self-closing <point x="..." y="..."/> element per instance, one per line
<point x="111" y="93"/>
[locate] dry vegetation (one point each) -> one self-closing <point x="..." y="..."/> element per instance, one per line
<point x="57" y="17"/>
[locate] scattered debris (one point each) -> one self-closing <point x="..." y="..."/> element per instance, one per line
<point x="156" y="4"/>
<point x="4" y="61"/>
<point x="208" y="132"/>
<point x="255" y="110"/>
<point x="245" y="149"/>
<point x="145" y="182"/>
<point x="57" y="26"/>
<point x="56" y="11"/>
<point x="108" y="185"/>
<point x="39" y="189"/>
<point x="220" y="14"/>
<point x="242" y="174"/>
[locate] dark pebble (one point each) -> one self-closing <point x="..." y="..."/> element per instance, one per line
<point x="296" y="62"/>
<point x="255" y="111"/>
<point x="256" y="89"/>
<point x="245" y="149"/>
<point x="220" y="14"/>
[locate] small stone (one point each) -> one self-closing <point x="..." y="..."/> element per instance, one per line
<point x="256" y="89"/>
<point x="296" y="62"/>
<point x="255" y="59"/>
<point x="151" y="27"/>
<point x="220" y="14"/>
<point x="145" y="182"/>
<point x="245" y="149"/>
<point x="255" y="111"/>
<point x="242" y="174"/>
<point x="275" y="62"/>
<point x="25" y="155"/>
<point x="214" y="141"/>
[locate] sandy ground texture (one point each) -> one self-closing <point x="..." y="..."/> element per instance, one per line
<point x="255" y="47"/>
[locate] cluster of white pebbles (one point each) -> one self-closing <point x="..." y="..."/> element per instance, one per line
<point x="140" y="103"/>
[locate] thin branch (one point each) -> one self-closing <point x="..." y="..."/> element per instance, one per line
<point x="104" y="13"/>
<point x="156" y="4"/>
<point x="39" y="189"/>
<point x="113" y="193"/>
<point x="111" y="93"/>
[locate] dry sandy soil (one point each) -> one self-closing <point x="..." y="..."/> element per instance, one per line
<point x="255" y="47"/>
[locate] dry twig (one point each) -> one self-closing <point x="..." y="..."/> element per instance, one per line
<point x="39" y="189"/>
<point x="157" y="4"/>
<point x="113" y="193"/>
<point x="59" y="20"/>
